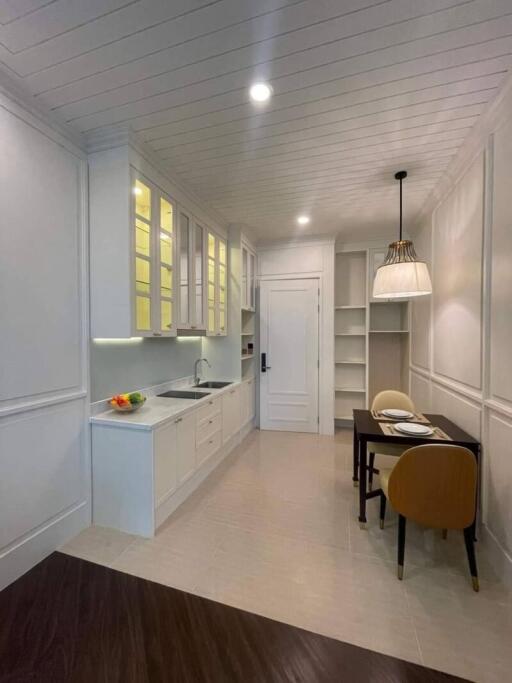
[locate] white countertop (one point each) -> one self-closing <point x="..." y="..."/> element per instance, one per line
<point x="156" y="411"/>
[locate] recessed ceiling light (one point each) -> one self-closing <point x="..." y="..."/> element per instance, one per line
<point x="303" y="220"/>
<point x="260" y="92"/>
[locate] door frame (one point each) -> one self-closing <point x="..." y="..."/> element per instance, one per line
<point x="288" y="278"/>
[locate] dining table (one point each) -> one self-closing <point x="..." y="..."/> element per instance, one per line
<point x="367" y="428"/>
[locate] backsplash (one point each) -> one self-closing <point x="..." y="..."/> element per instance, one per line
<point x="119" y="366"/>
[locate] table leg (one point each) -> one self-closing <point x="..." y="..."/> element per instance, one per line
<point x="355" y="456"/>
<point x="362" y="482"/>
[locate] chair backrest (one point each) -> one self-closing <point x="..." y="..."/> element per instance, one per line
<point x="435" y="485"/>
<point x="392" y="399"/>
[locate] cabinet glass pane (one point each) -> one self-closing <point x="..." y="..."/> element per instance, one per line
<point x="142" y="237"/>
<point x="211" y="319"/>
<point x="165" y="215"/>
<point x="142" y="313"/>
<point x="166" y="281"/>
<point x="222" y="319"/>
<point x="199" y="275"/>
<point x="166" y="315"/>
<point x="142" y="275"/>
<point x="222" y="296"/>
<point x="252" y="283"/>
<point x="165" y="249"/>
<point x="222" y="251"/>
<point x="211" y="271"/>
<point x="211" y="245"/>
<point x="184" y="277"/>
<point x="244" y="277"/>
<point x="211" y="294"/>
<point x="142" y="200"/>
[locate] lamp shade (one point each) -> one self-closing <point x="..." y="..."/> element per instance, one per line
<point x="402" y="280"/>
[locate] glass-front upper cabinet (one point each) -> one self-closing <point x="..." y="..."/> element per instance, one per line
<point x="154" y="260"/>
<point x="248" y="278"/>
<point x="217" y="292"/>
<point x="191" y="263"/>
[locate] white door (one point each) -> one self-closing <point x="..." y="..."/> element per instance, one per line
<point x="289" y="355"/>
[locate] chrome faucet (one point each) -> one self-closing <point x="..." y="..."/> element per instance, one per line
<point x="196" y="365"/>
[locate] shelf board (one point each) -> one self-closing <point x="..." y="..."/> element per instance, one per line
<point x="343" y="417"/>
<point x="350" y="334"/>
<point x="348" y="308"/>
<point x="247" y="334"/>
<point x="389" y="331"/>
<point x="349" y="362"/>
<point x="248" y="309"/>
<point x="350" y="390"/>
<point x="247" y="356"/>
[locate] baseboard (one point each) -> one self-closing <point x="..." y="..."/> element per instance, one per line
<point x="22" y="555"/>
<point x="500" y="560"/>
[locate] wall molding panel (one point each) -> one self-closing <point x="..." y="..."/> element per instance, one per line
<point x="469" y="318"/>
<point x="44" y="401"/>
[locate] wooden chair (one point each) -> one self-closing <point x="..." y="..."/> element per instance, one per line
<point x="435" y="486"/>
<point x="387" y="399"/>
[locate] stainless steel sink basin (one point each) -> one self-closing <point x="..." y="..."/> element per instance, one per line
<point x="213" y="385"/>
<point x="176" y="393"/>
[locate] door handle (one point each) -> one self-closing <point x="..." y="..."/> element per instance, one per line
<point x="264" y="366"/>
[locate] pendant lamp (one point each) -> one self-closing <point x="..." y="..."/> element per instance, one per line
<point x="402" y="275"/>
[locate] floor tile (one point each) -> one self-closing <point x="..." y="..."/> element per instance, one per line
<point x="98" y="544"/>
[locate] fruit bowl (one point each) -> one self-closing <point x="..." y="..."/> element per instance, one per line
<point x="127" y="403"/>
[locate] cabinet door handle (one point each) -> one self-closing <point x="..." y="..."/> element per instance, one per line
<point x="157" y="334"/>
<point x="193" y="327"/>
<point x="232" y="391"/>
<point x="210" y="402"/>
<point x="210" y="422"/>
<point x="180" y="419"/>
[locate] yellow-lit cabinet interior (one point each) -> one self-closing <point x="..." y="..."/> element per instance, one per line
<point x="154" y="259"/>
<point x="217" y="285"/>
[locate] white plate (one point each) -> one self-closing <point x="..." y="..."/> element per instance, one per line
<point x="399" y="414"/>
<point x="414" y="429"/>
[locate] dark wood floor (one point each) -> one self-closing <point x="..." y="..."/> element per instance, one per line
<point x="71" y="620"/>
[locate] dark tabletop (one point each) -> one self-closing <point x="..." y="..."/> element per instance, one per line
<point x="368" y="428"/>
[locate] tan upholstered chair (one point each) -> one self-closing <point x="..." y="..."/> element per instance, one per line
<point x="387" y="399"/>
<point x="435" y="486"/>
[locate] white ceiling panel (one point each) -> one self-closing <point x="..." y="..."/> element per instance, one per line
<point x="361" y="89"/>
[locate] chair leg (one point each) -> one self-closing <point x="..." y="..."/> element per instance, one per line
<point x="382" y="510"/>
<point x="370" y="470"/>
<point x="401" y="545"/>
<point x="445" y="534"/>
<point x="470" y="550"/>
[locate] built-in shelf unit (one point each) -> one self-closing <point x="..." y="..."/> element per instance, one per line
<point x="248" y="312"/>
<point x="371" y="339"/>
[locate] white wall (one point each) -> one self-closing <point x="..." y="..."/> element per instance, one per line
<point x="44" y="452"/>
<point x="462" y="335"/>
<point x="302" y="259"/>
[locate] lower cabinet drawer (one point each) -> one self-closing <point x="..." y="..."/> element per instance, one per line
<point x="208" y="447"/>
<point x="206" y="428"/>
<point x="207" y="411"/>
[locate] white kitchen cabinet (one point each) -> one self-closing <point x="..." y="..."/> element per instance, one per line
<point x="248" y="401"/>
<point x="165" y="470"/>
<point x="217" y="291"/>
<point x="185" y="447"/>
<point x="191" y="251"/>
<point x="231" y="413"/>
<point x="150" y="269"/>
<point x="142" y="473"/>
<point x="132" y="250"/>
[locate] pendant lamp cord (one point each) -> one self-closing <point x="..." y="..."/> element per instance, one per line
<point x="400" y="209"/>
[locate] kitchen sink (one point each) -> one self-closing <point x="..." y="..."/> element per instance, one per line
<point x="176" y="393"/>
<point x="213" y="385"/>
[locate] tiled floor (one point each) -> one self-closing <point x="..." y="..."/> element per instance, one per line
<point x="274" y="531"/>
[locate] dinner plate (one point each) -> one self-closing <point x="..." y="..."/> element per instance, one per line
<point x="399" y="414"/>
<point x="414" y="429"/>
